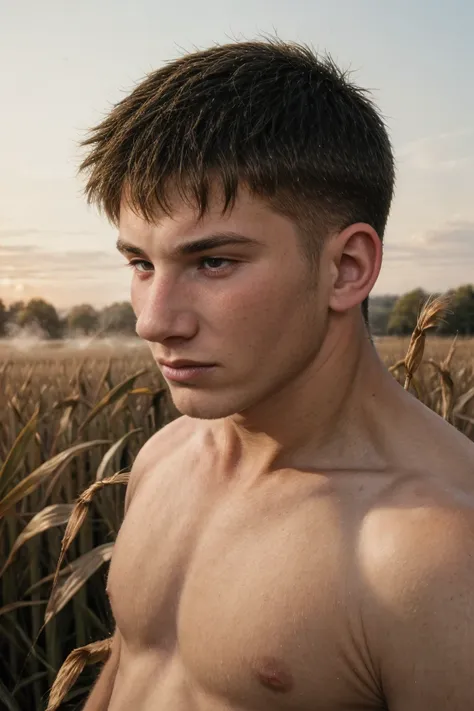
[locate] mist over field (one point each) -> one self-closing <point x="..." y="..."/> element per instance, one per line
<point x="32" y="343"/>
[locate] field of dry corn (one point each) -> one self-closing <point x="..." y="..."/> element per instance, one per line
<point x="72" y="416"/>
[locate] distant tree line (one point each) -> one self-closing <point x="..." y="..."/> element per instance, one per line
<point x="388" y="315"/>
<point x="41" y="318"/>
<point x="397" y="315"/>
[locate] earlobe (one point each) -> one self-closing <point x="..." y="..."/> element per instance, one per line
<point x="358" y="252"/>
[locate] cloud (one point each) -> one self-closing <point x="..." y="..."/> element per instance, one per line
<point x="64" y="278"/>
<point x="9" y="283"/>
<point x="457" y="234"/>
<point x="28" y="263"/>
<point x="7" y="252"/>
<point x="442" y="152"/>
<point x="7" y="233"/>
<point x="450" y="244"/>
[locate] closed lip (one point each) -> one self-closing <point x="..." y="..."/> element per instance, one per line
<point x="183" y="364"/>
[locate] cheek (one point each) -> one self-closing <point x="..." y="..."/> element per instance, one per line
<point x="136" y="296"/>
<point x="261" y="314"/>
<point x="252" y="304"/>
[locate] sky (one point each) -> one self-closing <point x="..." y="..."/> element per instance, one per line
<point x="63" y="64"/>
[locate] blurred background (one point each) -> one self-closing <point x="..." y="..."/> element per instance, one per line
<point x="63" y="64"/>
<point x="79" y="393"/>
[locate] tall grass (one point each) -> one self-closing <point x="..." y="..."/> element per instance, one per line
<point x="67" y="419"/>
<point x="71" y="424"/>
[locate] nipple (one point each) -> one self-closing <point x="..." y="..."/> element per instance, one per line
<point x="272" y="674"/>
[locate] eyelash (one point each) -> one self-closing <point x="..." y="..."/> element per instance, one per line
<point x="133" y="264"/>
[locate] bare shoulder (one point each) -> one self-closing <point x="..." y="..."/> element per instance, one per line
<point x="166" y="440"/>
<point x="428" y="505"/>
<point x="419" y="518"/>
<point x="416" y="567"/>
<point x="436" y="446"/>
<point x="415" y="543"/>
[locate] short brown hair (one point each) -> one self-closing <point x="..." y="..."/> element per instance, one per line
<point x="268" y="114"/>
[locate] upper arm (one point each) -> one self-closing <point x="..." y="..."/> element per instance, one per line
<point x="425" y="636"/>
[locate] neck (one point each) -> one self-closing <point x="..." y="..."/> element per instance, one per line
<point x="326" y="416"/>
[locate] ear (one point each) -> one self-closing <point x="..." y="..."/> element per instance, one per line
<point x="355" y="259"/>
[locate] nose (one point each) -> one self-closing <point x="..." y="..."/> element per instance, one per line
<point x="163" y="312"/>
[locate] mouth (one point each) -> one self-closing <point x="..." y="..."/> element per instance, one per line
<point x="181" y="363"/>
<point x="184" y="373"/>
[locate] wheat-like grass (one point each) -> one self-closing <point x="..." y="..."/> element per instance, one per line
<point x="429" y="317"/>
<point x="70" y="419"/>
<point x="95" y="653"/>
<point x="75" y="522"/>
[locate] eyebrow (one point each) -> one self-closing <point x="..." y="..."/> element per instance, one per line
<point x="222" y="239"/>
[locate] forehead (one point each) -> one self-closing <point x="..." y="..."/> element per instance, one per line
<point x="249" y="216"/>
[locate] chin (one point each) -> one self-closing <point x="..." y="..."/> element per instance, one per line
<point x="200" y="407"/>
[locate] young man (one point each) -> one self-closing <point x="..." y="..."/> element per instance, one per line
<point x="302" y="537"/>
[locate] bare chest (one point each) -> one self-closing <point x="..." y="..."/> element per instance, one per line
<point x="253" y="588"/>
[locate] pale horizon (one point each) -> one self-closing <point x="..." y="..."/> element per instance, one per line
<point x="63" y="68"/>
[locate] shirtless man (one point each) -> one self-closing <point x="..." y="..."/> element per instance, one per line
<point x="302" y="537"/>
